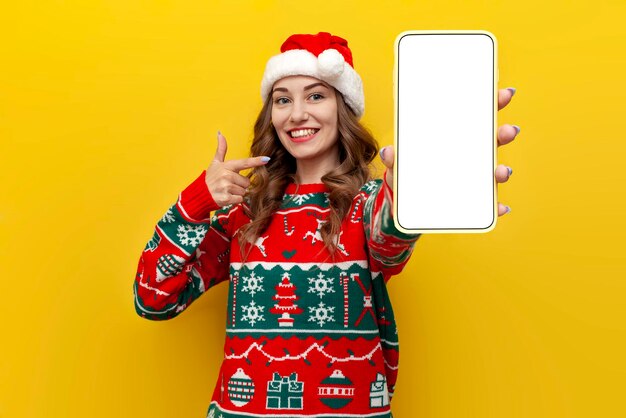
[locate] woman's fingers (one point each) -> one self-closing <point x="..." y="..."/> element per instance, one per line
<point x="229" y="194"/>
<point x="388" y="155"/>
<point x="503" y="173"/>
<point x="238" y="165"/>
<point x="239" y="180"/>
<point x="503" y="209"/>
<point x="237" y="190"/>
<point x="230" y="181"/>
<point x="507" y="133"/>
<point x="222" y="147"/>
<point x="505" y="96"/>
<point x="228" y="188"/>
<point x="223" y="180"/>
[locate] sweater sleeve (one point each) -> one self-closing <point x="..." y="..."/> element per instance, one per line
<point x="187" y="255"/>
<point x="389" y="248"/>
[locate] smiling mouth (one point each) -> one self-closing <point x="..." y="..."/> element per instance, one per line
<point x="300" y="134"/>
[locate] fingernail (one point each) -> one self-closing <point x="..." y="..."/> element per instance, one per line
<point x="510" y="171"/>
<point x="218" y="133"/>
<point x="512" y="90"/>
<point x="517" y="128"/>
<point x="508" y="209"/>
<point x="382" y="152"/>
<point x="265" y="159"/>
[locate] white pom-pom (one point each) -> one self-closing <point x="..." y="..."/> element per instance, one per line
<point x="330" y="63"/>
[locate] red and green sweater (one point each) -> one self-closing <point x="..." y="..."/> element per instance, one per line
<point x="306" y="335"/>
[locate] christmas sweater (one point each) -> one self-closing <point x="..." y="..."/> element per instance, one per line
<point x="307" y="334"/>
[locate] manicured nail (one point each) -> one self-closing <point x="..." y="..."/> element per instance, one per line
<point x="265" y="159"/>
<point x="218" y="133"/>
<point x="517" y="128"/>
<point x="510" y="171"/>
<point x="382" y="152"/>
<point x="512" y="90"/>
<point x="508" y="209"/>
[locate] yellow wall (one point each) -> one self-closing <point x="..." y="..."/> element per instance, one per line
<point x="109" y="108"/>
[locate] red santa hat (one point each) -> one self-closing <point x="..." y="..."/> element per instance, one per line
<point x="323" y="56"/>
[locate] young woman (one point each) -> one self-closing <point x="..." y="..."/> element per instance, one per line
<point x="306" y="242"/>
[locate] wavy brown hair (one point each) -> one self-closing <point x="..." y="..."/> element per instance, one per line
<point x="357" y="149"/>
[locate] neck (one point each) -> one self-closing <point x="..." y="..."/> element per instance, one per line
<point x="312" y="170"/>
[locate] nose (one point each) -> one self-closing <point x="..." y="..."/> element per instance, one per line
<point x="298" y="112"/>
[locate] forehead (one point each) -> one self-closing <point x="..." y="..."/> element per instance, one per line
<point x="296" y="82"/>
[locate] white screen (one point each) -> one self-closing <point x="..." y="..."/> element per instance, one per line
<point x="445" y="132"/>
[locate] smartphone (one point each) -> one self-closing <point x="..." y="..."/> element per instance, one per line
<point x="445" y="86"/>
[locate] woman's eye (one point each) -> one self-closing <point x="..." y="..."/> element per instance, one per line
<point x="316" y="96"/>
<point x="281" y="100"/>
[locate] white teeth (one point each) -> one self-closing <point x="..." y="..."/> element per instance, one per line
<point x="302" y="132"/>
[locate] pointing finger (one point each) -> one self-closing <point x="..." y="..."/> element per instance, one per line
<point x="238" y="165"/>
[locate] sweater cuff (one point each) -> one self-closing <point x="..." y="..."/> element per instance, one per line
<point x="196" y="200"/>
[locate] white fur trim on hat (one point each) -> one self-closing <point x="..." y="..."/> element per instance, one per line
<point x="330" y="67"/>
<point x="331" y="63"/>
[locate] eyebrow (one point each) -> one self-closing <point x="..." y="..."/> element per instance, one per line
<point x="309" y="87"/>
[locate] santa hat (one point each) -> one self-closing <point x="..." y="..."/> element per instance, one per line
<point x="323" y="56"/>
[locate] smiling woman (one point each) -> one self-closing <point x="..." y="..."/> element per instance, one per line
<point x="306" y="242"/>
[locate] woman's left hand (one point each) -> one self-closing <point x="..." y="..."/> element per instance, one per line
<point x="506" y="134"/>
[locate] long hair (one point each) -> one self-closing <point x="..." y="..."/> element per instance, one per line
<point x="357" y="149"/>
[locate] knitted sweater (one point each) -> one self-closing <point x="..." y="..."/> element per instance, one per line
<point x="307" y="335"/>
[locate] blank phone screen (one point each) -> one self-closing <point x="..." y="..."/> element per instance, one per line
<point x="445" y="131"/>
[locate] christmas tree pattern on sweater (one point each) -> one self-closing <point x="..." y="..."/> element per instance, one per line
<point x="307" y="334"/>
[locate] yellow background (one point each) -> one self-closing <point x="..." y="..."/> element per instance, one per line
<point x="109" y="108"/>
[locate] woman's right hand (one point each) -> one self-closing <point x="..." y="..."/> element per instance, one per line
<point x="226" y="185"/>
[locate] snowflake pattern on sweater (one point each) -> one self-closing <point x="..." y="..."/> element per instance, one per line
<point x="307" y="335"/>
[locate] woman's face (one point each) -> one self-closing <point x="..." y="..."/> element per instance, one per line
<point x="304" y="114"/>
